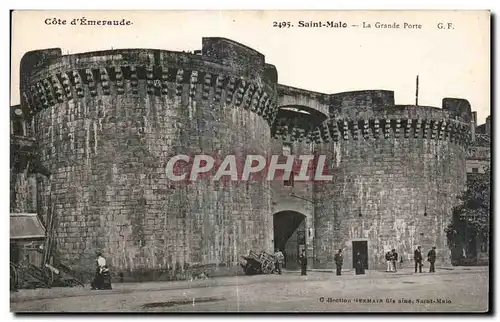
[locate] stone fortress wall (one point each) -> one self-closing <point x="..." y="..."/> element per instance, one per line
<point x="107" y="122"/>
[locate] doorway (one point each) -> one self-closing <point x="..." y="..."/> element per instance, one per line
<point x="14" y="253"/>
<point x="289" y="236"/>
<point x="360" y="247"/>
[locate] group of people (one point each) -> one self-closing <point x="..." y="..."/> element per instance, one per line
<point x="391" y="258"/>
<point x="431" y="258"/>
<point x="280" y="259"/>
<point x="102" y="278"/>
<point x="359" y="263"/>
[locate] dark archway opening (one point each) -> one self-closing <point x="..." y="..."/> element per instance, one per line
<point x="297" y="117"/>
<point x="289" y="236"/>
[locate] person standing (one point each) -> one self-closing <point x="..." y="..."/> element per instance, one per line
<point x="431" y="257"/>
<point x="417" y="255"/>
<point x="394" y="259"/>
<point x="360" y="264"/>
<point x="339" y="261"/>
<point x="98" y="282"/>
<point x="388" y="258"/>
<point x="303" y="262"/>
<point x="279" y="260"/>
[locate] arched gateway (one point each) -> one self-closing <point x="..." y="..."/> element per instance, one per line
<point x="290" y="235"/>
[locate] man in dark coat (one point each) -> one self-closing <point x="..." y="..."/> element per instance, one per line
<point x="360" y="264"/>
<point x="394" y="259"/>
<point x="339" y="261"/>
<point x="303" y="262"/>
<point x="417" y="255"/>
<point x="431" y="257"/>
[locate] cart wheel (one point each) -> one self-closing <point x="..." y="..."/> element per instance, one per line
<point x="246" y="269"/>
<point x="252" y="270"/>
<point x="14" y="278"/>
<point x="265" y="269"/>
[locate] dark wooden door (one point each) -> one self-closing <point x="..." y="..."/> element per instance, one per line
<point x="360" y="247"/>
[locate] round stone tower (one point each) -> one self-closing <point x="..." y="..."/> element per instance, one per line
<point x="397" y="171"/>
<point x="108" y="122"/>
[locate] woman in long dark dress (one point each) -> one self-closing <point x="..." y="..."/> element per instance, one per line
<point x="360" y="264"/>
<point x="102" y="280"/>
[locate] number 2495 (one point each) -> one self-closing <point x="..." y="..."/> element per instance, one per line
<point x="282" y="24"/>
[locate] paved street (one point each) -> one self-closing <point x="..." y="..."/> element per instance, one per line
<point x="458" y="290"/>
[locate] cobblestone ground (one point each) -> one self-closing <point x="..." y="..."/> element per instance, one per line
<point x="458" y="290"/>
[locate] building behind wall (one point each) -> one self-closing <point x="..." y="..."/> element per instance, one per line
<point x="478" y="162"/>
<point x="105" y="124"/>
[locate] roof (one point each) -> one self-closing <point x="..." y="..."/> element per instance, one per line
<point x="26" y="226"/>
<point x="482" y="140"/>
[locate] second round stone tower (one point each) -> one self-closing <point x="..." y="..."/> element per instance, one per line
<point x="397" y="171"/>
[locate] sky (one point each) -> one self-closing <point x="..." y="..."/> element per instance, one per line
<point x="450" y="62"/>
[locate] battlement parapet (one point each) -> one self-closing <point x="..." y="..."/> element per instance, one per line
<point x="220" y="54"/>
<point x="350" y="104"/>
<point x="402" y="111"/>
<point x="396" y="121"/>
<point x="271" y="73"/>
<point x="225" y="73"/>
<point x="458" y="108"/>
<point x="108" y="75"/>
<point x="391" y="128"/>
<point x="127" y="57"/>
<point x="242" y="59"/>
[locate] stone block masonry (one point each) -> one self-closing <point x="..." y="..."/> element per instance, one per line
<point x="106" y="123"/>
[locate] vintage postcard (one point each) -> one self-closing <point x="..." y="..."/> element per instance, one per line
<point x="250" y="161"/>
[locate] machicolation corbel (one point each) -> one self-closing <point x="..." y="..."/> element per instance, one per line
<point x="103" y="75"/>
<point x="207" y="85"/>
<point x="66" y="83"/>
<point x="417" y="128"/>
<point x="398" y="127"/>
<point x="48" y="92"/>
<point x="178" y="82"/>
<point x="90" y="81"/>
<point x="119" y="80"/>
<point x="134" y="81"/>
<point x="408" y="127"/>
<point x="231" y="86"/>
<point x="58" y="89"/>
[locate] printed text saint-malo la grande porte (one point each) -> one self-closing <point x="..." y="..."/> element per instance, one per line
<point x="343" y="24"/>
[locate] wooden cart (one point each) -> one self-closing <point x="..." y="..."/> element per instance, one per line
<point x="64" y="276"/>
<point x="262" y="263"/>
<point x="29" y="276"/>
